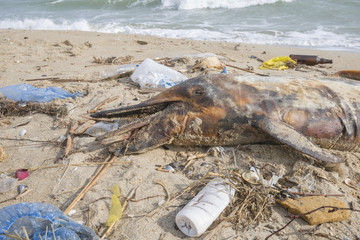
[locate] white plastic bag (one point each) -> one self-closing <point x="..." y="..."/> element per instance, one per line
<point x="152" y="74"/>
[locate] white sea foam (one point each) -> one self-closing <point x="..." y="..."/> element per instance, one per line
<point x="197" y="4"/>
<point x="46" y="24"/>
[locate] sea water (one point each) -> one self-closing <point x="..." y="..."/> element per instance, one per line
<point x="320" y="24"/>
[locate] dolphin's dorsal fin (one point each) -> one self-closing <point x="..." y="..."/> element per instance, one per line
<point x="289" y="136"/>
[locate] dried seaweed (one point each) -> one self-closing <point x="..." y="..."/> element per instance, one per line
<point x="15" y="108"/>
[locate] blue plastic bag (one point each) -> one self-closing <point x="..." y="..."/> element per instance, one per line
<point x="29" y="93"/>
<point x="37" y="219"/>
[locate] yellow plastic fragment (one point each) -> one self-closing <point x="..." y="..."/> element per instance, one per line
<point x="115" y="190"/>
<point x="116" y="208"/>
<point x="277" y="63"/>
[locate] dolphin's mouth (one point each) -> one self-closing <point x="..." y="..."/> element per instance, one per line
<point x="137" y="111"/>
<point x="144" y="113"/>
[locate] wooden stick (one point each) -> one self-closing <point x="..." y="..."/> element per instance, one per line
<point x="102" y="104"/>
<point x="63" y="165"/>
<point x="68" y="145"/>
<point x="91" y="183"/>
<point x="246" y="70"/>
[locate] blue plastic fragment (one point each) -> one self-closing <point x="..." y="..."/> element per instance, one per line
<point x="224" y="71"/>
<point x="29" y="93"/>
<point x="37" y="219"/>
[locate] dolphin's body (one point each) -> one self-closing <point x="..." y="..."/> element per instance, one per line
<point x="307" y="115"/>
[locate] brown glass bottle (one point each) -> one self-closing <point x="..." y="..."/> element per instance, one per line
<point x="310" y="60"/>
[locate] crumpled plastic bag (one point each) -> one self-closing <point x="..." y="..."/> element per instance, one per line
<point x="39" y="217"/>
<point x="29" y="93"/>
<point x="277" y="63"/>
<point x="152" y="74"/>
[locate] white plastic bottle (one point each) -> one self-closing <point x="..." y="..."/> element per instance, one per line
<point x="204" y="208"/>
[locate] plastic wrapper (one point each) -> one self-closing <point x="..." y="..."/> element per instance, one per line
<point x="29" y="93"/>
<point x="41" y="221"/>
<point x="152" y="74"/>
<point x="277" y="63"/>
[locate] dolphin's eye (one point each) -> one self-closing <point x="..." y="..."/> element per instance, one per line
<point x="198" y="91"/>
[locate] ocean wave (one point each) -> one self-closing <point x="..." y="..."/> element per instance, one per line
<point x="116" y="4"/>
<point x="170" y="4"/>
<point x="199" y="4"/>
<point x="46" y="24"/>
<point x="317" y="38"/>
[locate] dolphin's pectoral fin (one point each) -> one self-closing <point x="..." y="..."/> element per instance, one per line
<point x="289" y="136"/>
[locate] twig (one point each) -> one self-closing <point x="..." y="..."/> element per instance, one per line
<point x="12" y="235"/>
<point x="68" y="145"/>
<point x="317" y="194"/>
<point x="30" y="140"/>
<point x="56" y="79"/>
<point x="293" y="218"/>
<point x="166" y="190"/>
<point x="102" y="104"/>
<point x="62" y="176"/>
<point x="63" y="165"/>
<point x="146" y="198"/>
<point x="246" y="70"/>
<point x="25" y="232"/>
<point x="91" y="183"/>
<point x="17" y="196"/>
<point x="53" y="231"/>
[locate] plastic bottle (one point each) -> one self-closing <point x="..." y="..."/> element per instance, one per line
<point x="7" y="184"/>
<point x="126" y="68"/>
<point x="310" y="60"/>
<point x="204" y="208"/>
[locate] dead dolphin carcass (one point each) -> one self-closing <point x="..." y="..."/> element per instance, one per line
<point x="308" y="115"/>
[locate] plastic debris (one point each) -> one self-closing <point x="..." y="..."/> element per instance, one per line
<point x="225" y="70"/>
<point x="100" y="128"/>
<point x="122" y="70"/>
<point x="307" y="204"/>
<point x="204" y="208"/>
<point x="29" y="93"/>
<point x="22" y="188"/>
<point x="198" y="56"/>
<point x="39" y="219"/>
<point x="21" y="174"/>
<point x="152" y="74"/>
<point x="6" y="184"/>
<point x="278" y="63"/>
<point x="116" y="208"/>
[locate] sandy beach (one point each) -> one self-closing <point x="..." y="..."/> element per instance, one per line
<point x="35" y="57"/>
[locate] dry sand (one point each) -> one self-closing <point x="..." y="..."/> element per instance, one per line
<point x="69" y="55"/>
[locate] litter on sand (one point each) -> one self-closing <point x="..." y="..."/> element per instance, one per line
<point x="29" y="93"/>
